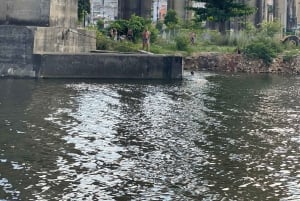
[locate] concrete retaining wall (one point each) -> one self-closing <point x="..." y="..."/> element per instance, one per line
<point x="110" y="66"/>
<point x="39" y="12"/>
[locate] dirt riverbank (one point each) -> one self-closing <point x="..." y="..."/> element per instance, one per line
<point x="221" y="62"/>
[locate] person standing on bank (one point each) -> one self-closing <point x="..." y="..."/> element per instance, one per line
<point x="146" y="39"/>
<point x="193" y="38"/>
<point x="115" y="34"/>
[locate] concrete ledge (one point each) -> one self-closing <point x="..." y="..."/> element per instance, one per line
<point x="109" y="66"/>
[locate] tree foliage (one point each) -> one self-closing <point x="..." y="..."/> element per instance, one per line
<point x="137" y="24"/>
<point x="84" y="7"/>
<point x="171" y="19"/>
<point x="221" y="11"/>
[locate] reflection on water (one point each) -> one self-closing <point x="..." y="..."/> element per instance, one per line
<point x="209" y="137"/>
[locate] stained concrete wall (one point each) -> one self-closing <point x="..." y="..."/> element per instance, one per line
<point x="16" y="57"/>
<point x="57" y="39"/>
<point x="39" y="12"/>
<point x="63" y="13"/>
<point x="110" y="66"/>
<point x="19" y="43"/>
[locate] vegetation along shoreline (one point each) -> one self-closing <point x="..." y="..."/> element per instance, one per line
<point x="207" y="44"/>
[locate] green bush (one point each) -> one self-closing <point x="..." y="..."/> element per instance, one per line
<point x="137" y="24"/>
<point x="121" y="26"/>
<point x="103" y="42"/>
<point x="263" y="48"/>
<point x="154" y="34"/>
<point x="100" y="24"/>
<point x="270" y="29"/>
<point x="182" y="43"/>
<point x="288" y="56"/>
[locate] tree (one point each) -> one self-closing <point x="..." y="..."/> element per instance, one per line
<point x="221" y="11"/>
<point x="84" y="7"/>
<point x="171" y="19"/>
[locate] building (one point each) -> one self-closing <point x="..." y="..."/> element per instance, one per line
<point x="106" y="10"/>
<point x="159" y="10"/>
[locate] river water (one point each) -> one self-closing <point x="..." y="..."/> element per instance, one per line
<point x="208" y="137"/>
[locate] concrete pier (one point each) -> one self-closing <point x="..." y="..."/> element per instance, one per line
<point x="108" y="66"/>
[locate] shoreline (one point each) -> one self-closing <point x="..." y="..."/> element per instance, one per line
<point x="233" y="62"/>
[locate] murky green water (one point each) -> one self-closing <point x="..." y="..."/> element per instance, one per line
<point x="209" y="137"/>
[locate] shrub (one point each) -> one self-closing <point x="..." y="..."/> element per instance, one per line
<point x="182" y="43"/>
<point x="100" y="24"/>
<point x="263" y="48"/>
<point x="288" y="56"/>
<point x="137" y="24"/>
<point x="270" y="28"/>
<point x="103" y="42"/>
<point x="171" y="19"/>
<point x="154" y="34"/>
<point x="121" y="26"/>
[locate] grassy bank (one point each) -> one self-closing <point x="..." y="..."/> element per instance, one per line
<point x="263" y="43"/>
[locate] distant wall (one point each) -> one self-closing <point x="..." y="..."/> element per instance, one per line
<point x="63" y="40"/>
<point x="16" y="57"/>
<point x="39" y="12"/>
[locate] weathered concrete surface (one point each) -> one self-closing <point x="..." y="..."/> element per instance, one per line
<point x="16" y="57"/>
<point x="19" y="43"/>
<point x="64" y="40"/>
<point x="39" y="12"/>
<point x="63" y="13"/>
<point x="221" y="62"/>
<point x="110" y="66"/>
